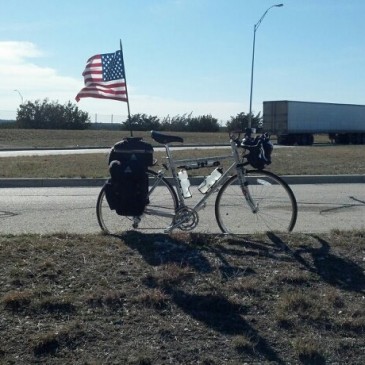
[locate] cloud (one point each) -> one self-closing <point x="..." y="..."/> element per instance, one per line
<point x="15" y="52"/>
<point x="19" y="71"/>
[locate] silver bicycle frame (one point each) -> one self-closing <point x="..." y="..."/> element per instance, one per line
<point x="171" y="165"/>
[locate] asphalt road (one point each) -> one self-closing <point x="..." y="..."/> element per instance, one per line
<point x="322" y="207"/>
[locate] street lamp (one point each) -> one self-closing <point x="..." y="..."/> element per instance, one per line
<point x="256" y="26"/>
<point x="21" y="96"/>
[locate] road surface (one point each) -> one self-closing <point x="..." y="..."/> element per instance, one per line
<point x="322" y="207"/>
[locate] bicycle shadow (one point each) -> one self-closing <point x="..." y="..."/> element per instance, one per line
<point x="161" y="249"/>
<point x="213" y="309"/>
<point x="158" y="249"/>
<point x="242" y="246"/>
<point x="335" y="270"/>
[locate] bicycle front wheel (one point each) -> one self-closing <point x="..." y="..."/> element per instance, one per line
<point x="157" y="215"/>
<point x="274" y="205"/>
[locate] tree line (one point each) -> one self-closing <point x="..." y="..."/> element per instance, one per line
<point x="52" y="115"/>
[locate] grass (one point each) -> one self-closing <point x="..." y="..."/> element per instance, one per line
<point x="314" y="160"/>
<point x="41" y="138"/>
<point x="95" y="299"/>
<point x="320" y="160"/>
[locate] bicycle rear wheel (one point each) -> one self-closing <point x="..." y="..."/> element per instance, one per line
<point x="276" y="206"/>
<point x="157" y="215"/>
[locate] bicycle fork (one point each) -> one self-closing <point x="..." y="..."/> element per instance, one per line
<point x="246" y="192"/>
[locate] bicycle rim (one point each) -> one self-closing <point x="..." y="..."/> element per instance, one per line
<point x="276" y="205"/>
<point x="157" y="216"/>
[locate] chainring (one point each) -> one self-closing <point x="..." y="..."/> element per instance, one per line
<point x="186" y="219"/>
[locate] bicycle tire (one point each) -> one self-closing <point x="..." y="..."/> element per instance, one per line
<point x="157" y="215"/>
<point x="277" y="206"/>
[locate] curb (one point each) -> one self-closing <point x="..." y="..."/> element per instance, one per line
<point x="50" y="183"/>
<point x="324" y="179"/>
<point x="78" y="182"/>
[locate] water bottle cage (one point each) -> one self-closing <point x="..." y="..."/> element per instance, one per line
<point x="210" y="180"/>
<point x="184" y="184"/>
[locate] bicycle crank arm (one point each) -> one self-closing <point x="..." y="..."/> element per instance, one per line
<point x="185" y="219"/>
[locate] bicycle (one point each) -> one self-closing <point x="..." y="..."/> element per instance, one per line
<point x="252" y="200"/>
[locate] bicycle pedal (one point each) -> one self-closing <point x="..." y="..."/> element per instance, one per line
<point x="173" y="226"/>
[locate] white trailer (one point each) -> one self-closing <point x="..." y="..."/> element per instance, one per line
<point x="295" y="122"/>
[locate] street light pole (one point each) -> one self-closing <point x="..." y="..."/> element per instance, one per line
<point x="21" y="96"/>
<point x="253" y="57"/>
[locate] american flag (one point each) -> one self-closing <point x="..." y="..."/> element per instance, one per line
<point x="104" y="77"/>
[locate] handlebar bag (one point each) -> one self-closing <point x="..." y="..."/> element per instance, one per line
<point x="260" y="156"/>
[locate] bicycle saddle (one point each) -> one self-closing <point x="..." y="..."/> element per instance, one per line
<point x="165" y="138"/>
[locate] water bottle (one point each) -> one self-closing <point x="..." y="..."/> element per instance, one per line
<point x="184" y="183"/>
<point x="210" y="180"/>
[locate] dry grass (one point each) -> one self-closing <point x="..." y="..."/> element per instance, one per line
<point x="185" y="298"/>
<point x="58" y="166"/>
<point x="314" y="160"/>
<point x="320" y="160"/>
<point x="37" y="138"/>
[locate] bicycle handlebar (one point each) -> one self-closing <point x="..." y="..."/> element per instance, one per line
<point x="249" y="142"/>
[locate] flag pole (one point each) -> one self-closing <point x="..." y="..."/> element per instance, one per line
<point x="126" y="89"/>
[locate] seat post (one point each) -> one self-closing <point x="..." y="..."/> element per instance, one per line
<point x="172" y="167"/>
<point x="171" y="162"/>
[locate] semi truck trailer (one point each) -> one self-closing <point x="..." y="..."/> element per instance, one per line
<point x="296" y="122"/>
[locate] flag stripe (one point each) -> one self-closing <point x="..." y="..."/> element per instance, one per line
<point x="92" y="72"/>
<point x="101" y="90"/>
<point x="99" y="96"/>
<point x="107" y="84"/>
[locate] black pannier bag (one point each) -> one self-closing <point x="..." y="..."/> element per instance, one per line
<point x="127" y="189"/>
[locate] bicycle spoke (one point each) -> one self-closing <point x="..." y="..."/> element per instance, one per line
<point x="275" y="202"/>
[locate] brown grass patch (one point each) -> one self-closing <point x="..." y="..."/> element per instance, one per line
<point x="157" y="299"/>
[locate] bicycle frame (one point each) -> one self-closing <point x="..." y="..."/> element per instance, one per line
<point x="236" y="166"/>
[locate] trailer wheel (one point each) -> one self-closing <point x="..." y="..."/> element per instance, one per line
<point x="305" y="139"/>
<point x="342" y="139"/>
<point x="355" y="138"/>
<point x="301" y="139"/>
<point x="283" y="140"/>
<point x="292" y="140"/>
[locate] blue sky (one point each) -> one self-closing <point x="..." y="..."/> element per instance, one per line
<point x="184" y="56"/>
